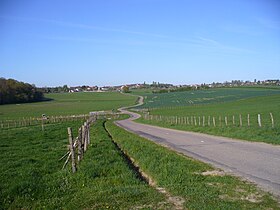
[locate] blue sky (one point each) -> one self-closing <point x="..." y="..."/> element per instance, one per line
<point x="111" y="42"/>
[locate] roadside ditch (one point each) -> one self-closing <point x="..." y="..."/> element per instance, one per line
<point x="176" y="201"/>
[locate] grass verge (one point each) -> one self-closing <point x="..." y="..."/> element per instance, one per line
<point x="31" y="175"/>
<point x="183" y="176"/>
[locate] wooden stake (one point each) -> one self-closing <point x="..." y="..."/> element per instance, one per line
<point x="240" y="120"/>
<point x="272" y="120"/>
<point x="88" y="133"/>
<point x="203" y="121"/>
<point x="208" y="120"/>
<point x="233" y="120"/>
<point x="42" y="124"/>
<point x="259" y="120"/>
<point x="194" y="120"/>
<point x="84" y="138"/>
<point x="248" y="120"/>
<point x="214" y="122"/>
<point x="80" y="147"/>
<point x="226" y="120"/>
<point x="72" y="150"/>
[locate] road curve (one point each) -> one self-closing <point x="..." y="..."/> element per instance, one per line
<point x="257" y="162"/>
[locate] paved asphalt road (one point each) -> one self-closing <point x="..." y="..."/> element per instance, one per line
<point x="257" y="162"/>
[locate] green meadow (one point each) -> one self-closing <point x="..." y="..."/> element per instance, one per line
<point x="67" y="104"/>
<point x="253" y="105"/>
<point x="202" y="97"/>
<point x="31" y="176"/>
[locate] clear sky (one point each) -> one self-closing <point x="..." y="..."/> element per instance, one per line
<point x="111" y="42"/>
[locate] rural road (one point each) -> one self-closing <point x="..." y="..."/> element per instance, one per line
<point x="257" y="162"/>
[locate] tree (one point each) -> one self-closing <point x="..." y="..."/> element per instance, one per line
<point x="12" y="91"/>
<point x="125" y="89"/>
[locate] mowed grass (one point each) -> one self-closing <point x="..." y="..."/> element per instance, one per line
<point x="182" y="177"/>
<point x="252" y="106"/>
<point x="31" y="175"/>
<point x="199" y="97"/>
<point x="68" y="104"/>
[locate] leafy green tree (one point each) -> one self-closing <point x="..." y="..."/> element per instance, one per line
<point x="12" y="91"/>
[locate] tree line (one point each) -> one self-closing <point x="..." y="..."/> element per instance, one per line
<point x="13" y="91"/>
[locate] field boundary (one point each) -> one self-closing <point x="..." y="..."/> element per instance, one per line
<point x="237" y="120"/>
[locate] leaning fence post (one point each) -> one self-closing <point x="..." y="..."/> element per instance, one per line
<point x="72" y="150"/>
<point x="272" y="120"/>
<point x="259" y="120"/>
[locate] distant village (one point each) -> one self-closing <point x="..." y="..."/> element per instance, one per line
<point x="161" y="87"/>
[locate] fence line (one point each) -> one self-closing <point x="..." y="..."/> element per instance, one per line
<point x="41" y="121"/>
<point x="214" y="121"/>
<point x="78" y="147"/>
<point x="31" y="121"/>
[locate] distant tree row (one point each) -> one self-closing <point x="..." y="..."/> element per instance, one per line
<point x="59" y="89"/>
<point x="181" y="89"/>
<point x="13" y="91"/>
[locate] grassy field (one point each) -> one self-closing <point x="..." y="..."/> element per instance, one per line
<point x="253" y="106"/>
<point x="183" y="177"/>
<point x="31" y="176"/>
<point x="67" y="104"/>
<point x="200" y="97"/>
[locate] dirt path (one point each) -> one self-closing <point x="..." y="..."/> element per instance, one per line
<point x="257" y="162"/>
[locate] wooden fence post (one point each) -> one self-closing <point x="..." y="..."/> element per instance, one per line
<point x="195" y="120"/>
<point x="208" y="120"/>
<point x="240" y="120"/>
<point x="199" y="120"/>
<point x="214" y="122"/>
<point x="188" y="122"/>
<point x="84" y="138"/>
<point x="233" y="120"/>
<point x="272" y="120"/>
<point x="80" y="148"/>
<point x="248" y="120"/>
<point x="42" y="124"/>
<point x="259" y="120"/>
<point x="203" y="121"/>
<point x="226" y="120"/>
<point x="72" y="150"/>
<point x="88" y="133"/>
<point x="220" y="120"/>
